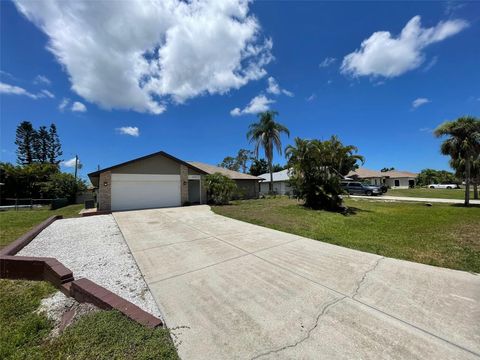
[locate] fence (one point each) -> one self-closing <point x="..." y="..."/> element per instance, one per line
<point x="24" y="203"/>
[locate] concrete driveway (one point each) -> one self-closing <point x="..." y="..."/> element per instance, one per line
<point x="232" y="290"/>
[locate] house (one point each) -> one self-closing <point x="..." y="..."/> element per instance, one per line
<point x="160" y="180"/>
<point x="393" y="179"/>
<point x="280" y="183"/>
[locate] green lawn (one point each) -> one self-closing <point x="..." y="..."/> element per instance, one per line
<point x="15" y="223"/>
<point x="430" y="193"/>
<point x="442" y="235"/>
<point x="100" y="335"/>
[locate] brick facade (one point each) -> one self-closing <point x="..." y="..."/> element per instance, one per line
<point x="105" y="191"/>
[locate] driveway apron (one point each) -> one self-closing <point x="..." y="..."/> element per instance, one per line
<point x="233" y="290"/>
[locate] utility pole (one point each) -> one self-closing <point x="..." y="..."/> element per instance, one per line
<point x="76" y="167"/>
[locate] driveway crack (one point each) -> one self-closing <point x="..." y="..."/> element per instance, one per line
<point x="364" y="277"/>
<point x="322" y="312"/>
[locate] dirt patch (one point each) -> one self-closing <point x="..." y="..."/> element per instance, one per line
<point x="63" y="311"/>
<point x="468" y="236"/>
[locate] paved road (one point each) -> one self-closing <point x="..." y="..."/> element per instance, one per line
<point x="232" y="290"/>
<point x="416" y="199"/>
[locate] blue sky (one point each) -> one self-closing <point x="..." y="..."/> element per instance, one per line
<point x="183" y="78"/>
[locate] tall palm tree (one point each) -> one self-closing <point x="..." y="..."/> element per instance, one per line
<point x="266" y="134"/>
<point x="462" y="144"/>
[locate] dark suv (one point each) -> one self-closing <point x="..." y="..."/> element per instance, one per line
<point x="357" y="188"/>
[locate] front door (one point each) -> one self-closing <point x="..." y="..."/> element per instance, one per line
<point x="194" y="191"/>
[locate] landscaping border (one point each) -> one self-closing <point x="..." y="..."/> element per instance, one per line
<point x="53" y="271"/>
<point x="25" y="239"/>
<point x="94" y="213"/>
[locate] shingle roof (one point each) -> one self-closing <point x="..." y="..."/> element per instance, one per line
<point x="399" y="174"/>
<point x="367" y="173"/>
<point x="277" y="176"/>
<point x="210" y="169"/>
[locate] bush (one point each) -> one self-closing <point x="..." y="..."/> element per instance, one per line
<point x="315" y="171"/>
<point x="59" y="203"/>
<point x="221" y="189"/>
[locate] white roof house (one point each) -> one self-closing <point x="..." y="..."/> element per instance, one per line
<point x="280" y="183"/>
<point x="393" y="178"/>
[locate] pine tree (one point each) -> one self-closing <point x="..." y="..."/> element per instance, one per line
<point x="42" y="145"/>
<point x="55" y="148"/>
<point x="25" y="138"/>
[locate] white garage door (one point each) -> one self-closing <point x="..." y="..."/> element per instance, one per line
<point x="142" y="191"/>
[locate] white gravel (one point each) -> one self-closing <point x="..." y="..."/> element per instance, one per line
<point x="93" y="247"/>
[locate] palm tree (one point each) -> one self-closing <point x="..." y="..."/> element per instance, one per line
<point x="266" y="134"/>
<point x="342" y="158"/>
<point x="463" y="145"/>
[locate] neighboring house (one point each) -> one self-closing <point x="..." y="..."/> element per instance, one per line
<point x="394" y="179"/>
<point x="159" y="180"/>
<point x="280" y="183"/>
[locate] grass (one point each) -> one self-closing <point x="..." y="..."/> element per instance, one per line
<point x="430" y="193"/>
<point x="15" y="223"/>
<point x="99" y="335"/>
<point x="442" y="235"/>
<point x="24" y="333"/>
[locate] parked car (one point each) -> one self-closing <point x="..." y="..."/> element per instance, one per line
<point x="444" y="186"/>
<point x="357" y="188"/>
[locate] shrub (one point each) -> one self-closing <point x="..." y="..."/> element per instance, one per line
<point x="221" y="189"/>
<point x="316" y="168"/>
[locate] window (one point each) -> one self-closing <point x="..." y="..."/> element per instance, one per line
<point x="397" y="182"/>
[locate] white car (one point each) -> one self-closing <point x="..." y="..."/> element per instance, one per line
<point x="443" y="186"/>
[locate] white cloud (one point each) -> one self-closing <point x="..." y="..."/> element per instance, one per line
<point x="41" y="79"/>
<point x="78" y="107"/>
<point x="257" y="105"/>
<point x="129" y="130"/>
<point x="385" y="55"/>
<point x="327" y="62"/>
<point x="47" y="93"/>
<point x="419" y="102"/>
<point x="15" y="90"/>
<point x="274" y="88"/>
<point x="426" y="129"/>
<point x="141" y="54"/>
<point x="311" y="97"/>
<point x="69" y="163"/>
<point x="63" y="104"/>
<point x="431" y="64"/>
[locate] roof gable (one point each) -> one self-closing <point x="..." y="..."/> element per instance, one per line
<point x="159" y="153"/>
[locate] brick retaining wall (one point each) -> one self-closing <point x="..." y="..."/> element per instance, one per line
<point x="53" y="271"/>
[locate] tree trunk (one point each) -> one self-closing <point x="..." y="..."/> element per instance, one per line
<point x="270" y="185"/>
<point x="467" y="182"/>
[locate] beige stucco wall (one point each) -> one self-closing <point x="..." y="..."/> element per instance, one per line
<point x="155" y="165"/>
<point x="105" y="192"/>
<point x="248" y="188"/>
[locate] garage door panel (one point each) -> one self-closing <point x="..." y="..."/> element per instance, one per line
<point x="141" y="191"/>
